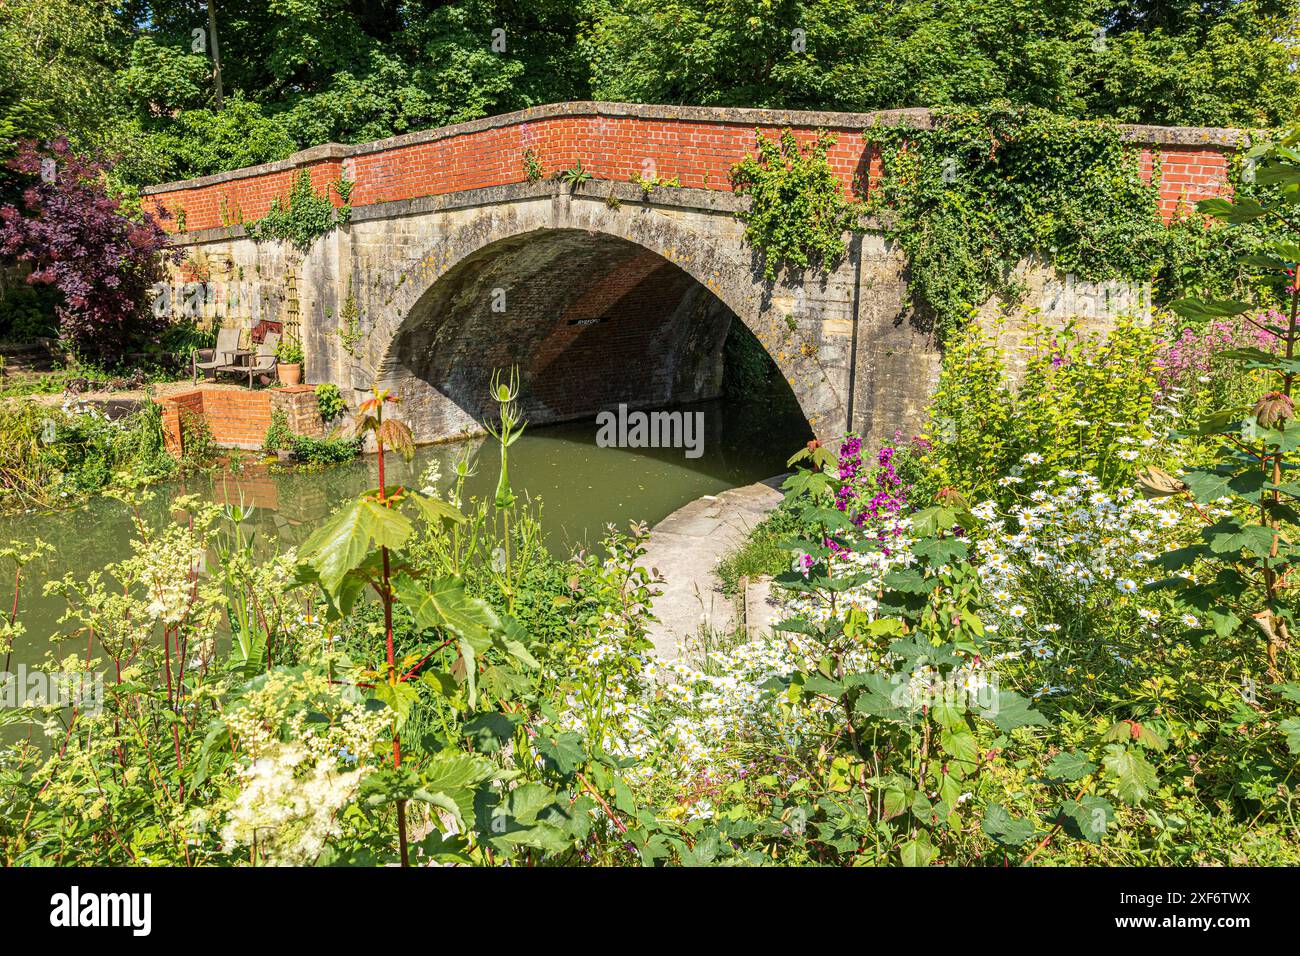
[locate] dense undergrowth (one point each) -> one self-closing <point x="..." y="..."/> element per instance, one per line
<point x="1074" y="714"/>
<point x="1052" y="630"/>
<point x="52" y="455"/>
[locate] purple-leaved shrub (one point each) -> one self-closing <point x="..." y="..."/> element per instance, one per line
<point x="77" y="239"/>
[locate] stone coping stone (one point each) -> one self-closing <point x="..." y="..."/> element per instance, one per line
<point x="920" y="118"/>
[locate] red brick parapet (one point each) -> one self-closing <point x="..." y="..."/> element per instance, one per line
<point x="696" y="146"/>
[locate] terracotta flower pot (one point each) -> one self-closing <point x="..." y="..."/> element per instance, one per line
<point x="289" y="374"/>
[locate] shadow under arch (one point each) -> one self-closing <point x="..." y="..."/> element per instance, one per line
<point x="592" y="319"/>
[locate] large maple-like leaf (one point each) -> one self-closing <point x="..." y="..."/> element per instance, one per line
<point x="343" y="541"/>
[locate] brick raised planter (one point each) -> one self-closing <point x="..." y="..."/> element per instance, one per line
<point x="239" y="418"/>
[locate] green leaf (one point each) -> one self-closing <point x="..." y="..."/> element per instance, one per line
<point x="1130" y="731"/>
<point x="1252" y="357"/>
<point x="1240" y="210"/>
<point x="941" y="551"/>
<point x="919" y="851"/>
<point x="897" y="795"/>
<point x="1006" y="829"/>
<point x="217" y="737"/>
<point x="1209" y="484"/>
<point x="881" y="697"/>
<point x="909" y="581"/>
<point x="448" y="780"/>
<point x="818" y="684"/>
<point x="531" y="815"/>
<point x="1224" y="421"/>
<point x="1179" y="557"/>
<point x="1010" y="711"/>
<point x="1068" y="767"/>
<point x="562" y="753"/>
<point x="1275" y="174"/>
<point x="441" y="682"/>
<point x="1225" y="481"/>
<point x="399" y="697"/>
<point x="1286" y="250"/>
<point x="960" y="745"/>
<point x="445" y="605"/>
<point x="512" y="638"/>
<point x="469" y="659"/>
<point x="1134" y="776"/>
<point x="1223" y="619"/>
<point x="1290" y="726"/>
<point x="435" y="510"/>
<point x="488" y="731"/>
<point x="938" y="518"/>
<point x="803" y="482"/>
<point x="443" y="848"/>
<point x="345" y="539"/>
<point x="387" y="785"/>
<point x="1229" y="536"/>
<point x="1206" y="310"/>
<point x="1086" y="818"/>
<point x="1290" y="691"/>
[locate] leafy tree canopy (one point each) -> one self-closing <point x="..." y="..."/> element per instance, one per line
<point x="136" y="77"/>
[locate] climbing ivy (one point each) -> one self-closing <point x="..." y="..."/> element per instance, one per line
<point x="343" y="188"/>
<point x="984" y="188"/>
<point x="306" y="216"/>
<point x="798" y="214"/>
<point x="350" y="332"/>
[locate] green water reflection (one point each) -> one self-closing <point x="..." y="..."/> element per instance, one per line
<point x="582" y="488"/>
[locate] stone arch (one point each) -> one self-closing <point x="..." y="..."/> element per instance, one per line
<point x="576" y="280"/>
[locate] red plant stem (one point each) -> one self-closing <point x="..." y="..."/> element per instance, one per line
<point x="420" y="663"/>
<point x="387" y="594"/>
<point x="388" y="638"/>
<point x="13" y="615"/>
<point x="167" y="660"/>
<point x="117" y="719"/>
<point x="176" y="731"/>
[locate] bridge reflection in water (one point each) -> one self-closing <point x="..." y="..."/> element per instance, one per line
<point x="582" y="487"/>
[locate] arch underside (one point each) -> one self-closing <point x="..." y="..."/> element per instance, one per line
<point x="590" y="319"/>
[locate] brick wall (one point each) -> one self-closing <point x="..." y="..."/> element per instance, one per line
<point x="246" y="198"/>
<point x="239" y="418"/>
<point x="174" y="408"/>
<point x="1187" y="174"/>
<point x="298" y="402"/>
<point x="697" y="146"/>
<point x="591" y="321"/>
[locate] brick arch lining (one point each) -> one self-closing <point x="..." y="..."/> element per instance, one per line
<point x="591" y="320"/>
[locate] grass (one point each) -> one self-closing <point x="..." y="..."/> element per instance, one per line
<point x="761" y="554"/>
<point x="700" y="648"/>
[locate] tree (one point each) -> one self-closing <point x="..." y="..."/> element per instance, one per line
<point x="56" y="68"/>
<point x="125" y="77"/>
<point x="1157" y="62"/>
<point x="76" y="239"/>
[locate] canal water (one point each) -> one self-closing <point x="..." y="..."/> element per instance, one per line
<point x="582" y="488"/>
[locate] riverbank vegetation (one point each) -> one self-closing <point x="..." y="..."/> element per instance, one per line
<point x="1051" y="629"/>
<point x="57" y="455"/>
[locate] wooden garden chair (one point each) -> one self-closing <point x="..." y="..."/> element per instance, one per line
<point x="209" y="361"/>
<point x="261" y="362"/>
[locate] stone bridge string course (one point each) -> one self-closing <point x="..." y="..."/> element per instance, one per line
<point x="453" y="263"/>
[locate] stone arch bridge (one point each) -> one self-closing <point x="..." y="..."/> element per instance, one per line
<point x="452" y="263"/>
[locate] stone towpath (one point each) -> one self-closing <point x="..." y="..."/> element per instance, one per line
<point x="685" y="547"/>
